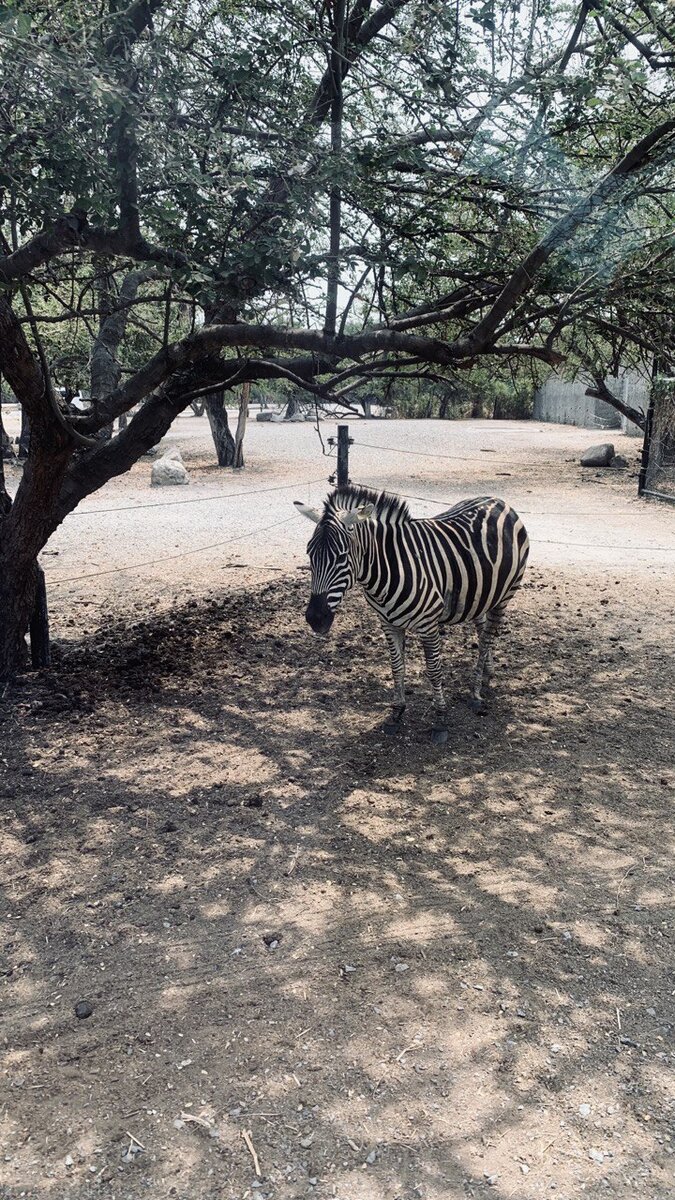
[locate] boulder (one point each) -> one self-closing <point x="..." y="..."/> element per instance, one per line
<point x="168" y="471"/>
<point x="598" y="456"/>
<point x="619" y="461"/>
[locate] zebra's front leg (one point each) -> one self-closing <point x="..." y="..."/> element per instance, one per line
<point x="396" y="643"/>
<point x="487" y="627"/>
<point x="432" y="655"/>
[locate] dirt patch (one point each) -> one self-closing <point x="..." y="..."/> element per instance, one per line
<point x="404" y="971"/>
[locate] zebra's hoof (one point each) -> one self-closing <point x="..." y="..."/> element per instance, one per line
<point x="392" y="727"/>
<point x="439" y="736"/>
<point x="477" y="705"/>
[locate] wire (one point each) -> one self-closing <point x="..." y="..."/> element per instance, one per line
<point x="91" y="512"/>
<point x="529" y="512"/>
<point x="170" y="557"/>
<point x="549" y="541"/>
<point x="453" y="457"/>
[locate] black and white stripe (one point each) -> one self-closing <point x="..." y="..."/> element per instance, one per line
<point x="418" y="574"/>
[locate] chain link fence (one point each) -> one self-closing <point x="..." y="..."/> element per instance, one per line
<point x="658" y="477"/>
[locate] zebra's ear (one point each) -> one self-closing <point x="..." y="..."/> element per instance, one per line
<point x="363" y="513"/>
<point x="310" y="513"/>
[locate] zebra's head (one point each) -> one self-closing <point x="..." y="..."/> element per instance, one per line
<point x="330" y="550"/>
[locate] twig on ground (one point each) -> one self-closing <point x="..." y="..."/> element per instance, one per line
<point x="246" y="1135"/>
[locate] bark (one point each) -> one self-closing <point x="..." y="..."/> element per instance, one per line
<point x="24" y="529"/>
<point x="220" y="429"/>
<point x="241" y="426"/>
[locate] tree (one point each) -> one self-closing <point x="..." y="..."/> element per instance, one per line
<point x="450" y="185"/>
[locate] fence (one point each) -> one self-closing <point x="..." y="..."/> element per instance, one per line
<point x="657" y="477"/>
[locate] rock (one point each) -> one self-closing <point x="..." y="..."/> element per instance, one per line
<point x="598" y="456"/>
<point x="264" y="416"/>
<point x="596" y="1155"/>
<point x="83" y="1009"/>
<point x="619" y="461"/>
<point x="525" y="1170"/>
<point x="584" y="1110"/>
<point x="371" y="1158"/>
<point x="168" y="471"/>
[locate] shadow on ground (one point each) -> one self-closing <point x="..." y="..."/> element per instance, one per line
<point x="405" y="971"/>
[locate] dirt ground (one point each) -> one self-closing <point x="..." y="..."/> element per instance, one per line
<point x="321" y="961"/>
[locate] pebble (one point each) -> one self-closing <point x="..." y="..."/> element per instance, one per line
<point x="370" y="1159"/>
<point x="401" y="967"/>
<point x="68" y="1161"/>
<point x="524" y="1169"/>
<point x="83" y="1009"/>
<point x="491" y="1180"/>
<point x="596" y="1155"/>
<point x="584" y="1110"/>
<point x="555" y="1048"/>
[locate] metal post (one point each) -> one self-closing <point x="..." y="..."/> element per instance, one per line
<point x="343" y="441"/>
<point x="39" y="625"/>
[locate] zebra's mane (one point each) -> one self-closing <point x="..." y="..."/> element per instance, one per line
<point x="390" y="508"/>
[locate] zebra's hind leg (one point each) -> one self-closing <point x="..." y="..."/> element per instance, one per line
<point x="431" y="643"/>
<point x="487" y="627"/>
<point x="396" y="643"/>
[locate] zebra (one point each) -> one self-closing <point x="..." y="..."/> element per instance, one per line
<point x="417" y="574"/>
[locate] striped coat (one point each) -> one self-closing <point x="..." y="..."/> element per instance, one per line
<point x="417" y="574"/>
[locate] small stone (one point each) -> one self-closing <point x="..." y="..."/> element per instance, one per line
<point x="491" y="1180"/>
<point x="168" y="827"/>
<point x="619" y="461"/>
<point x="307" y="1141"/>
<point x="651" y="1012"/>
<point x="312" y="1181"/>
<point x="168" y="470"/>
<point x="83" y="1009"/>
<point x="584" y="1110"/>
<point x="525" y="1170"/>
<point x="401" y="967"/>
<point x="596" y="1155"/>
<point x="272" y="940"/>
<point x="371" y="1158"/>
<point x="598" y="456"/>
<point x="555" y="1048"/>
<point x="68" y="1161"/>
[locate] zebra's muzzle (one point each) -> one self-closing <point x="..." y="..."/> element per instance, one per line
<point x="318" y="615"/>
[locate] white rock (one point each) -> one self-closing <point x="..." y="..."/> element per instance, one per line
<point x="524" y="1168"/>
<point x="167" y="471"/>
<point x="584" y="1110"/>
<point x="596" y="1155"/>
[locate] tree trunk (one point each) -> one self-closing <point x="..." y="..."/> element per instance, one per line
<point x="220" y="429"/>
<point x="24" y="436"/>
<point x="241" y="426"/>
<point x="24" y="530"/>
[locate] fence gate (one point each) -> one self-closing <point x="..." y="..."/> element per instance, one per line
<point x="657" y="477"/>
